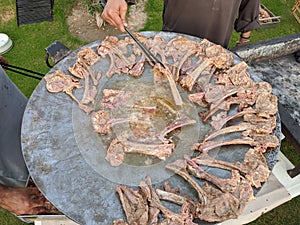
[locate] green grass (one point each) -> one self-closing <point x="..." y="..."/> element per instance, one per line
<point x="30" y="42"/>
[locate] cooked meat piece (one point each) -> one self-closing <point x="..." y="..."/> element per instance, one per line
<point x="113" y="98"/>
<point x="102" y="122"/>
<point x="138" y="68"/>
<point x="198" y="98"/>
<point x="77" y="70"/>
<point x="119" y="222"/>
<point x="215" y="205"/>
<point x="263" y="141"/>
<point x="254" y="167"/>
<point x="161" y="151"/>
<point x="239" y="76"/>
<point x="90" y="92"/>
<point x="60" y="82"/>
<point x="190" y="78"/>
<point x="266" y="105"/>
<point x="134" y="205"/>
<point x="87" y="56"/>
<point x="218" y="99"/>
<point x="215" y="56"/>
<point x="157" y="47"/>
<point x="258" y="127"/>
<point x="179" y="46"/>
<point x="255" y="119"/>
<point x="219" y="57"/>
<point x="116" y="50"/>
<point x="171" y="197"/>
<point x="181" y="121"/>
<point x="171" y="218"/>
<point x="220" y="206"/>
<point x="165" y="72"/>
<point x="179" y="167"/>
<point x="115" y="153"/>
<point x="118" y="147"/>
<point x="238" y="186"/>
<point x="168" y="188"/>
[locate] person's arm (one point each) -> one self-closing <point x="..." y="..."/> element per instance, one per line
<point x="22" y="201"/>
<point x="115" y="13"/>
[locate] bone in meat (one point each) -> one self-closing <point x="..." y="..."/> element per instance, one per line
<point x="236" y="185"/>
<point x="220" y="205"/>
<point x="171" y="218"/>
<point x="134" y="205"/>
<point x="223" y="95"/>
<point x="161" y="151"/>
<point x="119" y="222"/>
<point x="179" y="122"/>
<point x="239" y="76"/>
<point x="114" y="98"/>
<point x="60" y="82"/>
<point x="259" y="140"/>
<point x="219" y="57"/>
<point x="166" y="72"/>
<point x="118" y="147"/>
<point x="261" y="128"/>
<point x="115" y="153"/>
<point x="138" y="68"/>
<point x="179" y="167"/>
<point x="215" y="56"/>
<point x="171" y="197"/>
<point x="254" y="167"/>
<point x="189" y="80"/>
<point x="88" y="56"/>
<point x="266" y="105"/>
<point x="115" y="49"/>
<point x="215" y="205"/>
<point x="102" y="122"/>
<point x="76" y="70"/>
<point x="90" y="92"/>
<point x="198" y="98"/>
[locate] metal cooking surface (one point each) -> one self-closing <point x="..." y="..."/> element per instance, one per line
<point x="65" y="156"/>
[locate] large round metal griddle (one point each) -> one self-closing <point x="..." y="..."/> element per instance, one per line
<point x="65" y="156"/>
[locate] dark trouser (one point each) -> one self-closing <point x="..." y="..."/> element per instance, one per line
<point x="13" y="171"/>
<point x="210" y="19"/>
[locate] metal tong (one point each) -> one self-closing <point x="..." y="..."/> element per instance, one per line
<point x="152" y="58"/>
<point x="22" y="71"/>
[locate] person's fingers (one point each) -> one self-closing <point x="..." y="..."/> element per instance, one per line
<point x="114" y="13"/>
<point x="123" y="11"/>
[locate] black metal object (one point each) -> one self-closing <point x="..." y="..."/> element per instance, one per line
<point x="294" y="172"/>
<point x="22" y="71"/>
<point x="34" y="11"/>
<point x="56" y="51"/>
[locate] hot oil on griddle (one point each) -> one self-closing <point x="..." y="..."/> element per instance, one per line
<point x="145" y="94"/>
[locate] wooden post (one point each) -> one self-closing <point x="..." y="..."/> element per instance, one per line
<point x="296" y="10"/>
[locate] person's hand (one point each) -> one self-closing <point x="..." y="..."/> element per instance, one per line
<point x="23" y="201"/>
<point x="115" y="13"/>
<point x="3" y="61"/>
